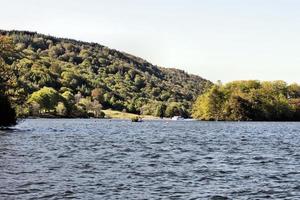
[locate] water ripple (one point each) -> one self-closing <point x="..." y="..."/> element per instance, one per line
<point x="117" y="159"/>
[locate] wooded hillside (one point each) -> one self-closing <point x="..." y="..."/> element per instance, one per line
<point x="73" y="78"/>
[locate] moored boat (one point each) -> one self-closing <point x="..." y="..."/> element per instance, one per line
<point x="176" y="118"/>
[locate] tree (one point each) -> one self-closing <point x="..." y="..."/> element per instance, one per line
<point x="7" y="51"/>
<point x="125" y="81"/>
<point x="97" y="109"/>
<point x="46" y="97"/>
<point x="237" y="108"/>
<point x="7" y="113"/>
<point x="139" y="82"/>
<point x="7" y="48"/>
<point x="248" y="100"/>
<point x="56" y="51"/>
<point x="175" y="109"/>
<point x="69" y="97"/>
<point x="209" y="106"/>
<point x="293" y="91"/>
<point x="98" y="94"/>
<point x="160" y="110"/>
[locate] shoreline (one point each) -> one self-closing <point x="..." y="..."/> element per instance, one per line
<point x="152" y="118"/>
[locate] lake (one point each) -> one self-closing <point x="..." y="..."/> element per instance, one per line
<point x="118" y="159"/>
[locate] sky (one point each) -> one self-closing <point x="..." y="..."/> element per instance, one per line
<point x="217" y="39"/>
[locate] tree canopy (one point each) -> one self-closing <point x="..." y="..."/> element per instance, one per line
<point x="250" y="101"/>
<point x="89" y="76"/>
<point x="47" y="98"/>
<point x="7" y="113"/>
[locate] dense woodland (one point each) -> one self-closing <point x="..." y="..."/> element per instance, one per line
<point x="250" y="101"/>
<point x="48" y="76"/>
<point x="7" y="112"/>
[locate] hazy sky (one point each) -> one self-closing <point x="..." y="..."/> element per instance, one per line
<point x="216" y="39"/>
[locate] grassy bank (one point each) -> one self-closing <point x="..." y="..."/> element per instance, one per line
<point x="123" y="115"/>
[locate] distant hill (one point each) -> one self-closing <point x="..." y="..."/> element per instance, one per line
<point x="87" y="76"/>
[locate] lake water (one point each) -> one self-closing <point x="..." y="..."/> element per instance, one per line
<point x="113" y="159"/>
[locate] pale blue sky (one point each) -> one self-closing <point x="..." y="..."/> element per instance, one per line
<point x="217" y="39"/>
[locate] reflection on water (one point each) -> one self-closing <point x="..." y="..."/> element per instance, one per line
<point x="109" y="159"/>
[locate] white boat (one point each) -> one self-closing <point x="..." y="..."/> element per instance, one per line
<point x="175" y="118"/>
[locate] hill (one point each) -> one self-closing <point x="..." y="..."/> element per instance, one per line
<point x="50" y="75"/>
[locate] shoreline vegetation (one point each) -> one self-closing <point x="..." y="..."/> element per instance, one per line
<point x="109" y="114"/>
<point x="250" y="100"/>
<point x="47" y="77"/>
<point x="114" y="114"/>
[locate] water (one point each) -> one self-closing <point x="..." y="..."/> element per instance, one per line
<point x="103" y="159"/>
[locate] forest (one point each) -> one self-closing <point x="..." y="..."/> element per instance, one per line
<point x="44" y="76"/>
<point x="47" y="76"/>
<point x="249" y="101"/>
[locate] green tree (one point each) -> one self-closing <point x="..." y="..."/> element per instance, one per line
<point x="175" y="109"/>
<point x="209" y="106"/>
<point x="139" y="82"/>
<point x="127" y="82"/>
<point x="46" y="97"/>
<point x="160" y="110"/>
<point x="7" y="113"/>
<point x="248" y="100"/>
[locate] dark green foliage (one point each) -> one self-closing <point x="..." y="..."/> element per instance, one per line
<point x="160" y="110"/>
<point x="7" y="113"/>
<point x="7" y="50"/>
<point x="176" y="109"/>
<point x="250" y="101"/>
<point x="94" y="76"/>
